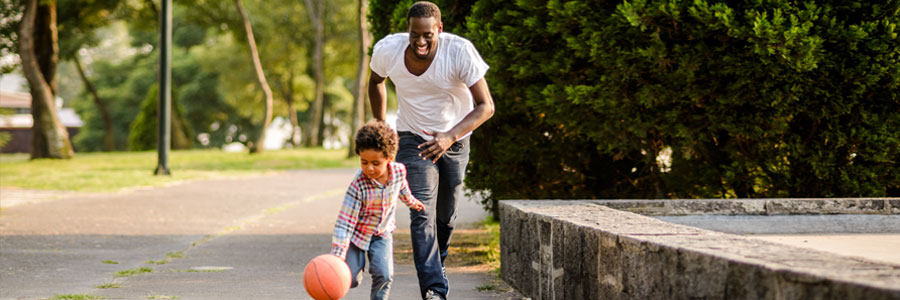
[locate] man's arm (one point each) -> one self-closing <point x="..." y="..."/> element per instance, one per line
<point x="484" y="109"/>
<point x="377" y="96"/>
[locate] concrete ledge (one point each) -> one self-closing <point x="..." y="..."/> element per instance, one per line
<point x="756" y="206"/>
<point x="583" y="250"/>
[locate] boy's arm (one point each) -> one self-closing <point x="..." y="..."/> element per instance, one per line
<point x="406" y="195"/>
<point x="346" y="222"/>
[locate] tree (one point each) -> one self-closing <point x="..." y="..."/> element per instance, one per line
<point x="360" y="83"/>
<point x="38" y="50"/>
<point x="261" y="77"/>
<point x="77" y="24"/>
<point x="316" y="15"/>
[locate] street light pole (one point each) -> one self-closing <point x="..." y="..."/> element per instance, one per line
<point x="164" y="108"/>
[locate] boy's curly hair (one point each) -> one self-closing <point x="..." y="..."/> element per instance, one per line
<point x="378" y="136"/>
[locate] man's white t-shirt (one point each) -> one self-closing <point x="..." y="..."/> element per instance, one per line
<point x="438" y="99"/>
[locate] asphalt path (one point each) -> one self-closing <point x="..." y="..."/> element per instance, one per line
<point x="236" y="238"/>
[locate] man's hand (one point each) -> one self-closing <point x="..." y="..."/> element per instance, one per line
<point x="436" y="147"/>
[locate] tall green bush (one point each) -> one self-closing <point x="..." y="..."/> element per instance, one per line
<point x="144" y="129"/>
<point x="745" y="98"/>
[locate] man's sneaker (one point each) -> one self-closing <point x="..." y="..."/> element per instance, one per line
<point x="432" y="295"/>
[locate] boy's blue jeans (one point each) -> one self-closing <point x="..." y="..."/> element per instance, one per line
<point x="438" y="185"/>
<point x="381" y="265"/>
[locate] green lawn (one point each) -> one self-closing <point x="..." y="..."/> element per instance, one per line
<point x="103" y="172"/>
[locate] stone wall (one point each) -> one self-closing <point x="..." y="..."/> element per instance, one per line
<point x="769" y="207"/>
<point x="584" y="250"/>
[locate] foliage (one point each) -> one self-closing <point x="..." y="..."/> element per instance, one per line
<point x="5" y="137"/>
<point x="125" y="79"/>
<point x="389" y="17"/>
<point x="686" y="99"/>
<point x="11" y="10"/>
<point x="213" y="78"/>
<point x="78" y="20"/>
<point x="124" y="86"/>
<point x="112" y="171"/>
<point x="143" y="134"/>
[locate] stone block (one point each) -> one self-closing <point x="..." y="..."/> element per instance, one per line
<point x="581" y="250"/>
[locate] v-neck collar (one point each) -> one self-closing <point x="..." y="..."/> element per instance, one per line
<point x="430" y="65"/>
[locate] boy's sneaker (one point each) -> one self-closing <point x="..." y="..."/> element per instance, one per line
<point x="432" y="295"/>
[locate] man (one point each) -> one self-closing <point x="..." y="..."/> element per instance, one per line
<point x="442" y="97"/>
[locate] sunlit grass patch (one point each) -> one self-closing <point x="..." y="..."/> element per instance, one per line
<point x="112" y="171"/>
<point x="75" y="297"/>
<point x="109" y="285"/>
<point x="477" y="245"/>
<point x="132" y="272"/>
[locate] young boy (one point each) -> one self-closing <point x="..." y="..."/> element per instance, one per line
<point x="366" y="220"/>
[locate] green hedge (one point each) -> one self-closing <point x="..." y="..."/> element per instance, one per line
<point x="747" y="98"/>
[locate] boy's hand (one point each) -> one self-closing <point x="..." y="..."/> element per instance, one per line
<point x="418" y="206"/>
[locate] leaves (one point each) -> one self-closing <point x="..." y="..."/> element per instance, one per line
<point x="753" y="98"/>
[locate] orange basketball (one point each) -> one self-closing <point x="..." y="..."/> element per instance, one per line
<point x="326" y="277"/>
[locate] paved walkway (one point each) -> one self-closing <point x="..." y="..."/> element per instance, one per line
<point x="238" y="238"/>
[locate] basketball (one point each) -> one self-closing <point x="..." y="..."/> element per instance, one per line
<point x="326" y="277"/>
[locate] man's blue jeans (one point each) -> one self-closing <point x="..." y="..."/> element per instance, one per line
<point x="438" y="185"/>
<point x="381" y="265"/>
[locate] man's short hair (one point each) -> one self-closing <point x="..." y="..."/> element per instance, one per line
<point x="378" y="136"/>
<point x="423" y="9"/>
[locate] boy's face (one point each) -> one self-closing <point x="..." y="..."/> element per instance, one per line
<point x="374" y="164"/>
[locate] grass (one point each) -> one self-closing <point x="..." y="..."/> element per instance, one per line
<point x="109" y="285"/>
<point x="113" y="171"/>
<point x="475" y="247"/>
<point x="132" y="272"/>
<point x="111" y="262"/>
<point x="161" y="297"/>
<point x="173" y="255"/>
<point x="156" y="262"/>
<point x="75" y="297"/>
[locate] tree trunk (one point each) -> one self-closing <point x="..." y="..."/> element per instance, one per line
<point x="316" y="14"/>
<point x="108" y="139"/>
<point x="46" y="45"/>
<point x="258" y="146"/>
<point x="50" y="138"/>
<point x="288" y="91"/>
<point x="359" y="87"/>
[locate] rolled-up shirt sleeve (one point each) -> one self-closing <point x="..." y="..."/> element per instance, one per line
<point x="405" y="194"/>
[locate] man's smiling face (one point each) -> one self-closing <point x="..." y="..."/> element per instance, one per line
<point x="423" y="36"/>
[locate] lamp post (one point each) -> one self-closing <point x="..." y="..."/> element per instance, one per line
<point x="164" y="108"/>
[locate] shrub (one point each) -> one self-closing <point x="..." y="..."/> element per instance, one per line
<point x="687" y="99"/>
<point x="144" y="128"/>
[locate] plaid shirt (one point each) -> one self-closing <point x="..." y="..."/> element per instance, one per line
<point x="368" y="209"/>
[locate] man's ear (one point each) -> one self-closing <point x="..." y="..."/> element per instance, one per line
<point x="440" y="27"/>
